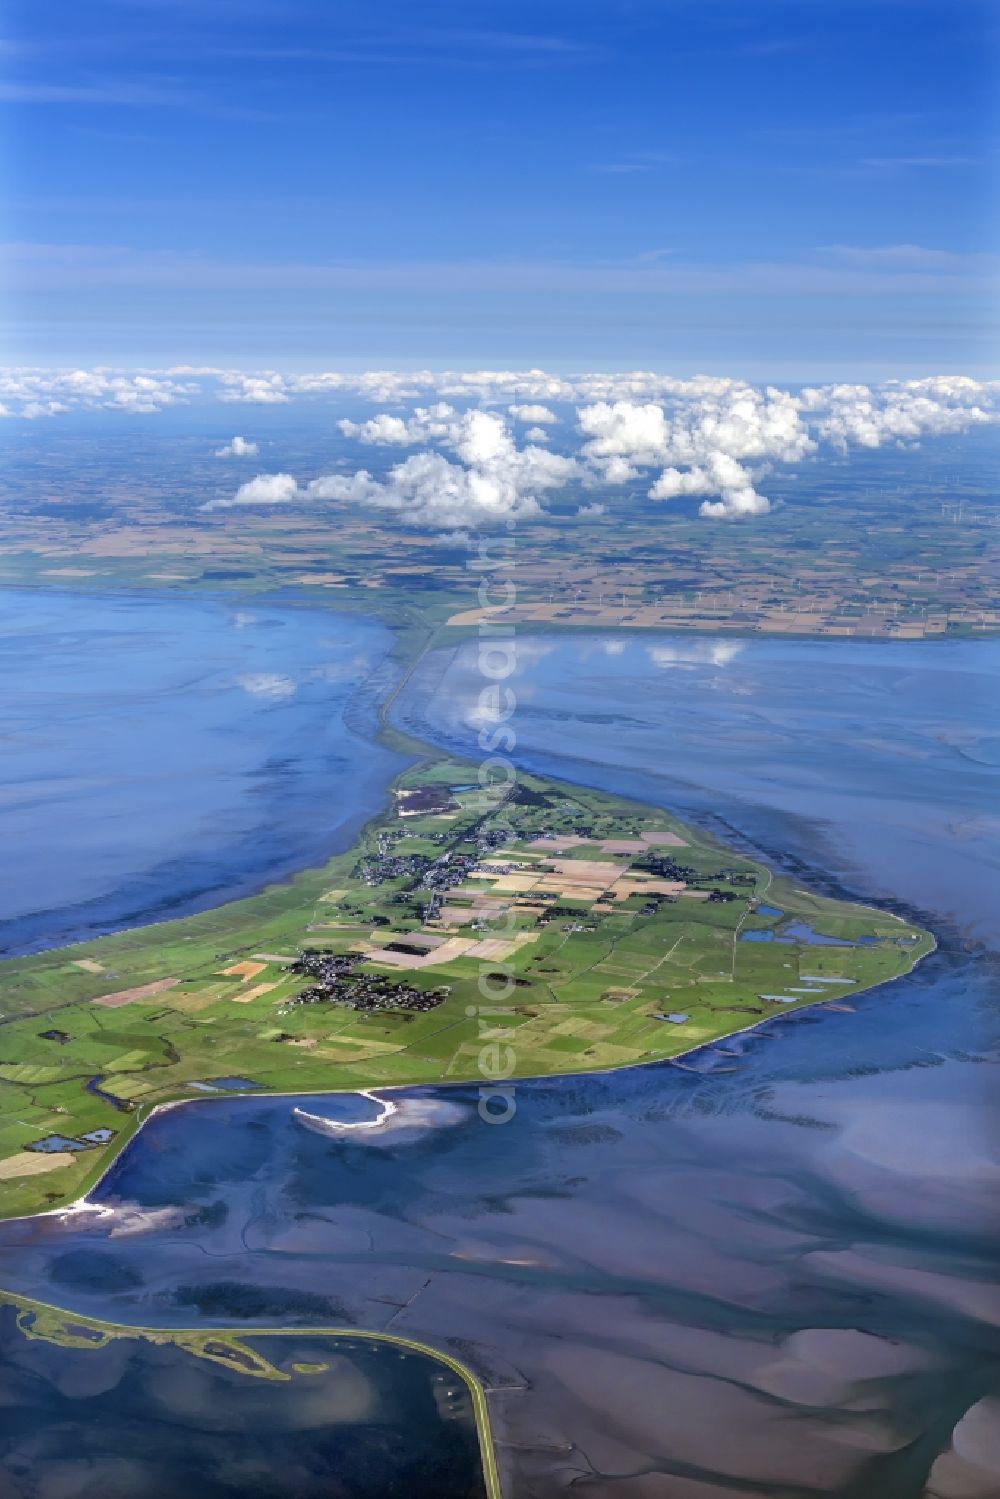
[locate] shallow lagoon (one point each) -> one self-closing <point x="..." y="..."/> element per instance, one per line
<point x="333" y="1418"/>
<point x="770" y="1277"/>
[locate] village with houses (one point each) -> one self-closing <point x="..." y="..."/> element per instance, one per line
<point x="592" y="933"/>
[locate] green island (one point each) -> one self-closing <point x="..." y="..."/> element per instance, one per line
<point x="471" y="934"/>
<point x="235" y="1350"/>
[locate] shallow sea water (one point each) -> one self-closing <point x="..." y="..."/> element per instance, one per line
<point x="773" y="1279"/>
<point x="162" y="755"/>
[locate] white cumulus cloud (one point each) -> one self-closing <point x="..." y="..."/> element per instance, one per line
<point x="713" y="439"/>
<point x="539" y="416"/>
<point x="266" y="489"/>
<point x="267" y="389"/>
<point x="493" y="480"/>
<point x="900" y="411"/>
<point x="237" y="447"/>
<point x="708" y="437"/>
<point x="34" y="393"/>
<point x="427" y="424"/>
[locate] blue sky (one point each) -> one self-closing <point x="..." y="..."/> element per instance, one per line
<point x="773" y="188"/>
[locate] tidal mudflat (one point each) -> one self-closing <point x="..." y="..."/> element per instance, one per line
<point x="161" y="756"/>
<point x="664" y="1279"/>
<point x="741" y="1281"/>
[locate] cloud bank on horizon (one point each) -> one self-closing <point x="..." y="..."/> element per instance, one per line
<point x="709" y="437"/>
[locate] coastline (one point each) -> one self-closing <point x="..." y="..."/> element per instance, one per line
<point x="758" y="1026"/>
<point x="407" y="652"/>
<point x="410" y="642"/>
<point x="83" y="1205"/>
<point x="364" y="604"/>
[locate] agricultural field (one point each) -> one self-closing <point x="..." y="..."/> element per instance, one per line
<point x="834" y="558"/>
<point x="586" y="931"/>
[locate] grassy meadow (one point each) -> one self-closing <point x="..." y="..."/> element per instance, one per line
<point x="93" y="1037"/>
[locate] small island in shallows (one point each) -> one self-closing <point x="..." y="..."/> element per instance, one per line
<point x="593" y="932"/>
